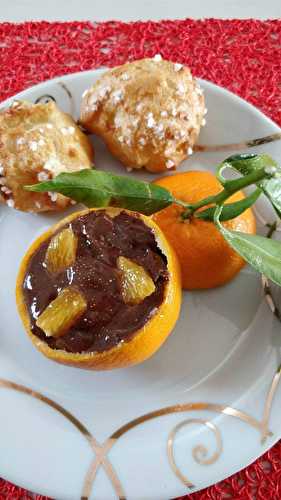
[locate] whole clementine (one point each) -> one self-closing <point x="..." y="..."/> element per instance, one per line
<point x="206" y="259"/>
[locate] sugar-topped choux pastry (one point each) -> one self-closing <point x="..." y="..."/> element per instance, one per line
<point x="148" y="112"/>
<point x="38" y="142"/>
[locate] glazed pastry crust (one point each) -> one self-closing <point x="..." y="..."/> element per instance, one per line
<point x="148" y="112"/>
<point x="37" y="142"/>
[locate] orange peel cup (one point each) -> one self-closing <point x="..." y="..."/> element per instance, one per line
<point x="145" y="341"/>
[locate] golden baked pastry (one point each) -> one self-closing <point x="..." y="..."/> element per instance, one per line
<point x="37" y="142"/>
<point x="149" y="113"/>
<point x="111" y="301"/>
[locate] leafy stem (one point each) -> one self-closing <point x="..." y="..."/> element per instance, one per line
<point x="102" y="189"/>
<point x="230" y="187"/>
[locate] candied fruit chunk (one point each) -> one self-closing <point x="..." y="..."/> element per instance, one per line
<point x="61" y="252"/>
<point x="136" y="284"/>
<point x="62" y="312"/>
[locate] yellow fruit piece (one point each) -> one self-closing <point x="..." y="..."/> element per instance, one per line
<point x="136" y="283"/>
<point x="61" y="252"/>
<point x="62" y="312"/>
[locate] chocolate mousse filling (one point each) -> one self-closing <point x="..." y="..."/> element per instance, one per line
<point x="108" y="320"/>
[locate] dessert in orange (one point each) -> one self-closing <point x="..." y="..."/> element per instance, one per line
<point x="206" y="259"/>
<point x="99" y="290"/>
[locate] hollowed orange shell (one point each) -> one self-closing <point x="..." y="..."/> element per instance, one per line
<point x="145" y="342"/>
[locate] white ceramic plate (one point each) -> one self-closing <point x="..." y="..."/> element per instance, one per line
<point x="221" y="358"/>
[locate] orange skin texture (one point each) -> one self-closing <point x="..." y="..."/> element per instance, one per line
<point x="145" y="342"/>
<point x="206" y="259"/>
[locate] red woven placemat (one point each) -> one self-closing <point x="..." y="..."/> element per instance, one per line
<point x="243" y="56"/>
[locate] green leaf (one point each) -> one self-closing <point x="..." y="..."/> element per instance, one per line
<point x="272" y="190"/>
<point x="247" y="163"/>
<point x="262" y="253"/>
<point x="102" y="189"/>
<point x="230" y="210"/>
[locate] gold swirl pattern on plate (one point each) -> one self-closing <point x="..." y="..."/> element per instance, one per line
<point x="251" y="143"/>
<point x="7" y="384"/>
<point x="199" y="452"/>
